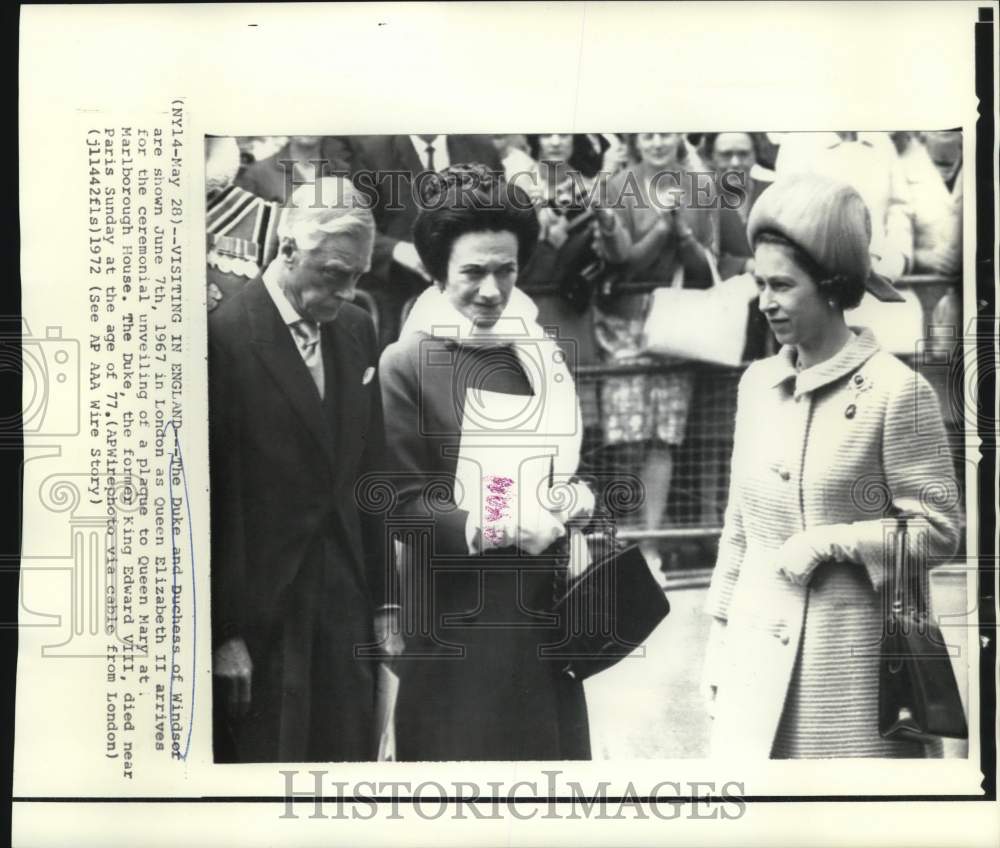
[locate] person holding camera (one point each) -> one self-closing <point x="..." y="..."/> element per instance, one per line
<point x="668" y="240"/>
<point x="479" y="585"/>
<point x="568" y="266"/>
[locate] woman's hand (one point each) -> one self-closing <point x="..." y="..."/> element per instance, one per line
<point x="555" y="228"/>
<point x="615" y="158"/>
<point x="534" y="534"/>
<point x="798" y="557"/>
<point x="605" y="220"/>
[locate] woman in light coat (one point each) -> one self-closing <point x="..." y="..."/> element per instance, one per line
<point x="833" y="435"/>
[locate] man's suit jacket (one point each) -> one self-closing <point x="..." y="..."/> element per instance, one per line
<point x="284" y="464"/>
<point x="382" y="154"/>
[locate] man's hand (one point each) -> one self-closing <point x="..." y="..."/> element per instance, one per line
<point x="213" y="296"/>
<point x="388" y="632"/>
<point x="231" y="661"/>
<point x="406" y="255"/>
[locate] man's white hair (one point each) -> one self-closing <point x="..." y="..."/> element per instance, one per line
<point x="331" y="206"/>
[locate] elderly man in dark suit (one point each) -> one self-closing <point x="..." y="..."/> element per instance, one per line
<point x="299" y="574"/>
<point x="389" y="169"/>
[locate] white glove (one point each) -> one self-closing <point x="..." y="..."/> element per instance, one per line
<point x="802" y="552"/>
<point x="533" y="534"/>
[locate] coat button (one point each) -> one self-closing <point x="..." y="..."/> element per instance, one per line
<point x="850" y="411"/>
<point x="858" y="379"/>
<point x="785" y="475"/>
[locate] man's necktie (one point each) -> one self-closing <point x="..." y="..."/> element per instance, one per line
<point x="306" y="335"/>
<point x="430" y="157"/>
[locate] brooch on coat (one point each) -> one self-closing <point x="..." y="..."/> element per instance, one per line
<point x="859" y="384"/>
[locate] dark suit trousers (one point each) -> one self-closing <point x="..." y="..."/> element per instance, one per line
<point x="311" y="701"/>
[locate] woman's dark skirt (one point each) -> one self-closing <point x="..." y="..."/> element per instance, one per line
<point x="475" y="683"/>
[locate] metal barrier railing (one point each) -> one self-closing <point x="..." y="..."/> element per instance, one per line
<point x="917" y="282"/>
<point x="699" y="482"/>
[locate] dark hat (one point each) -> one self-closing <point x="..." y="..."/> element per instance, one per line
<point x="827" y="220"/>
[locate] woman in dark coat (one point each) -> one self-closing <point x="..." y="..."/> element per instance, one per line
<point x="474" y="379"/>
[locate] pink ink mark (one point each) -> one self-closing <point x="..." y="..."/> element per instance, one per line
<point x="493" y="535"/>
<point x="496" y="506"/>
<point x="498" y="485"/>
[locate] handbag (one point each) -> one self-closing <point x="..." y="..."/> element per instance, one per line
<point x="606" y="613"/>
<point x="918" y="693"/>
<point x="709" y="325"/>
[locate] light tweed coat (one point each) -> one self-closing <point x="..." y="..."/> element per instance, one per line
<point x="834" y="448"/>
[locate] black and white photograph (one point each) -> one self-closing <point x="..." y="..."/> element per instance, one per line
<point x="503" y="424"/>
<point x="482" y="405"/>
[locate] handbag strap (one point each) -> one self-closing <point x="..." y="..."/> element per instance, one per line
<point x="900" y="552"/>
<point x="906" y="588"/>
<point x="713" y="266"/>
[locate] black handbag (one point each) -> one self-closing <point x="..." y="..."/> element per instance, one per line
<point x="918" y="693"/>
<point x="606" y="613"/>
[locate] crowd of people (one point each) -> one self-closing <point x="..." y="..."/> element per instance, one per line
<point x="679" y="200"/>
<point x="448" y="241"/>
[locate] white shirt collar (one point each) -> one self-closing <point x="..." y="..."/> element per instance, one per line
<point x="440" y="145"/>
<point x="285" y="308"/>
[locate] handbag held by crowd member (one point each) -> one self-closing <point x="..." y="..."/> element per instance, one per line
<point x="708" y="325"/>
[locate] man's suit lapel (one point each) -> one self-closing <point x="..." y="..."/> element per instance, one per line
<point x="457" y="149"/>
<point x="273" y="346"/>
<point x="406" y="155"/>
